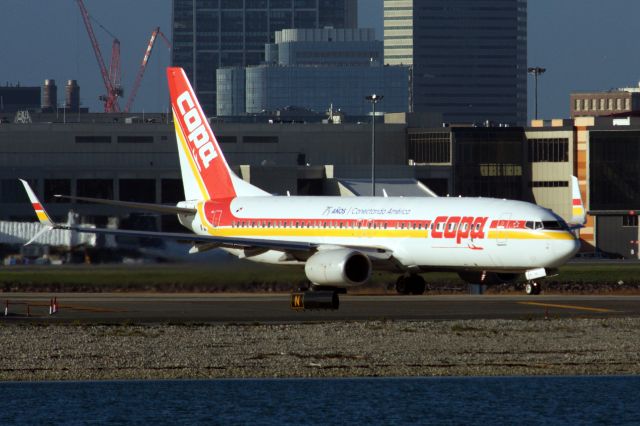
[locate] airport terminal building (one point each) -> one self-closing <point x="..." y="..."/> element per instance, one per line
<point x="135" y="159"/>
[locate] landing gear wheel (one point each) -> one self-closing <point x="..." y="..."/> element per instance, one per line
<point x="402" y="286"/>
<point x="417" y="284"/>
<point x="532" y="288"/>
<point x="413" y="284"/>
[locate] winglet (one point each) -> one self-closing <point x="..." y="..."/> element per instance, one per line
<point x="43" y="217"/>
<point x="578" y="212"/>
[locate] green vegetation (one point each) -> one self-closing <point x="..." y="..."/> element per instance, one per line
<point x="244" y="276"/>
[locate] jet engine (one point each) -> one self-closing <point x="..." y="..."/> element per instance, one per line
<point x="338" y="268"/>
<point x="488" y="278"/>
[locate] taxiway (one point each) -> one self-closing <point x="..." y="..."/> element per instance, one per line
<point x="215" y="308"/>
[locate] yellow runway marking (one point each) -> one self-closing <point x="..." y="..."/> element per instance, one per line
<point x="577" y="308"/>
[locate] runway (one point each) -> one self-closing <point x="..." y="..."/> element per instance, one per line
<point x="249" y="308"/>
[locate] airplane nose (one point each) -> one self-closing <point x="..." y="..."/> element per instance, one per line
<point x="567" y="248"/>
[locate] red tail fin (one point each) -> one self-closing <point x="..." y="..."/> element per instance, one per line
<point x="205" y="172"/>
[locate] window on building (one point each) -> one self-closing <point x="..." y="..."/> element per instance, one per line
<point x="553" y="150"/>
<point x="135" y="139"/>
<point x="95" y="188"/>
<point x="93" y="139"/>
<point x="614" y="168"/>
<point x="603" y="104"/>
<point x="260" y="139"/>
<point x="12" y="191"/>
<point x="594" y="104"/>
<point x="140" y="190"/>
<point x="227" y="139"/>
<point x="429" y="148"/>
<point x="627" y="104"/>
<point x="630" y="220"/>
<point x="610" y="102"/>
<point x="56" y="186"/>
<point x="549" y="184"/>
<point x="619" y="104"/>
<point x="171" y="191"/>
<point x="578" y="104"/>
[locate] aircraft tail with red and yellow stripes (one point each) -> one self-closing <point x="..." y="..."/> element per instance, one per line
<point x="205" y="172"/>
<point x="41" y="213"/>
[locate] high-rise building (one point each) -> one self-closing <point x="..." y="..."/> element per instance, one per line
<point x="469" y="57"/>
<point x="208" y="34"/>
<point x="315" y="69"/>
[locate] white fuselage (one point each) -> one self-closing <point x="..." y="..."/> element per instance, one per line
<point x="429" y="233"/>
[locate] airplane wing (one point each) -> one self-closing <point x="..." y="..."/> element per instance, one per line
<point x="226" y="242"/>
<point x="158" y="208"/>
<point x="298" y="250"/>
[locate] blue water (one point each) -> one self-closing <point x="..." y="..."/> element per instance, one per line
<point x="447" y="401"/>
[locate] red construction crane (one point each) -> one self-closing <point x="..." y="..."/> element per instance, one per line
<point x="110" y="78"/>
<point x="136" y="85"/>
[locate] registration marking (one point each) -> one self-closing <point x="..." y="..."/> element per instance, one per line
<point x="577" y="308"/>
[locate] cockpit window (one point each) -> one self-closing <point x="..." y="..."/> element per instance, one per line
<point x="530" y="224"/>
<point x="552" y="224"/>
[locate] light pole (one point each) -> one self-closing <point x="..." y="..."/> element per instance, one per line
<point x="374" y="99"/>
<point x="536" y="71"/>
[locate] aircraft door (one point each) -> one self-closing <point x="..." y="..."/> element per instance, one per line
<point x="502" y="229"/>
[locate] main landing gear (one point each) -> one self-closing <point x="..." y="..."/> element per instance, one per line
<point x="317" y="297"/>
<point x="532" y="288"/>
<point x="411" y="284"/>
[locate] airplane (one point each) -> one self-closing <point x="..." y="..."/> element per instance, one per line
<point x="340" y="241"/>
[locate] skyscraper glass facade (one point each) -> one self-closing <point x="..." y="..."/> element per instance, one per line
<point x="469" y="57"/>
<point x="209" y="34"/>
<point x="314" y="69"/>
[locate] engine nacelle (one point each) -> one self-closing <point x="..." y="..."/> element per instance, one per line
<point x="338" y="268"/>
<point x="489" y="278"/>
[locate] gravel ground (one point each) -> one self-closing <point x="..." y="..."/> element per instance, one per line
<point x="369" y="348"/>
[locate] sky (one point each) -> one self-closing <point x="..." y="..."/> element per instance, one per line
<point x="585" y="45"/>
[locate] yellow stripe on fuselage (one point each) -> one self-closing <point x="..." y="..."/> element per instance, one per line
<point x="278" y="231"/>
<point x="187" y="153"/>
<point x="497" y="234"/>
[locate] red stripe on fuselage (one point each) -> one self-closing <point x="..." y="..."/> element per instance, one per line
<point x="508" y="224"/>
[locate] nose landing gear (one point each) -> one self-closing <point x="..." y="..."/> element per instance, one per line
<point x="532" y="288"/>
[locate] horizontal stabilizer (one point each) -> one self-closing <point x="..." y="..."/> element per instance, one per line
<point x="158" y="208"/>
